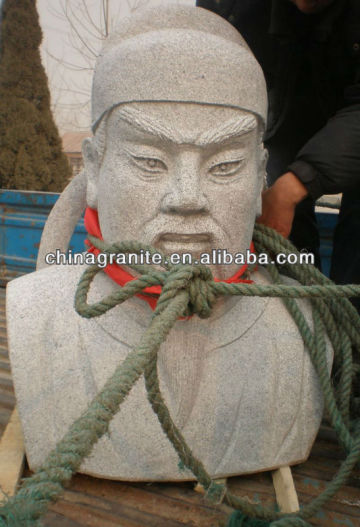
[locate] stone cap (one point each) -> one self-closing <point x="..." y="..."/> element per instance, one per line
<point x="177" y="54"/>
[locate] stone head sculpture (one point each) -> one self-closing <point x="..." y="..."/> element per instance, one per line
<point x="179" y="108"/>
<point x="176" y="161"/>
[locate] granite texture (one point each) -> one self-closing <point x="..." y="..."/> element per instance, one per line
<point x="239" y="385"/>
<point x="66" y="212"/>
<point x="177" y="161"/>
<point x="177" y="54"/>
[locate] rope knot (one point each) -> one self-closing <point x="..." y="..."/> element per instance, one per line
<point x="201" y="293"/>
<point x="197" y="280"/>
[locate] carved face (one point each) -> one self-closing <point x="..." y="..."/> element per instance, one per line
<point x="181" y="177"/>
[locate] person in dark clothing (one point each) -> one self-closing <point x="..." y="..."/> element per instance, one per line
<point x="310" y="53"/>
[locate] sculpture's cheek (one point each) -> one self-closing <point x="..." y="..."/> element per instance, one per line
<point x="125" y="202"/>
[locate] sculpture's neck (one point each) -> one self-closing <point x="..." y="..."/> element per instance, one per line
<point x="139" y="310"/>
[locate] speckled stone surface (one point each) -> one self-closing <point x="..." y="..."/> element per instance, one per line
<point x="182" y="169"/>
<point x="238" y="385"/>
<point x="179" y="53"/>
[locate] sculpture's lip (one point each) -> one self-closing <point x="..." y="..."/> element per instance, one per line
<point x="194" y="237"/>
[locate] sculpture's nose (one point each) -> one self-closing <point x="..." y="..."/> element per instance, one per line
<point x="185" y="193"/>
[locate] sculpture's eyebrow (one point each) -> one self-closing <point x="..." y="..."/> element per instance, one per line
<point x="234" y="127"/>
<point x="148" y="125"/>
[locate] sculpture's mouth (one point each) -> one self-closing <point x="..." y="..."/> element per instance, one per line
<point x="175" y="242"/>
<point x="185" y="238"/>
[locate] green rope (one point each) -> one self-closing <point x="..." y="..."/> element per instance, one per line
<point x="238" y="519"/>
<point x="191" y="290"/>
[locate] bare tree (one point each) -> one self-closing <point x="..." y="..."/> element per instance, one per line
<point x="86" y="25"/>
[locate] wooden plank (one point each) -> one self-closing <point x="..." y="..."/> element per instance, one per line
<point x="285" y="490"/>
<point x="255" y="488"/>
<point x="103" y="503"/>
<point x="214" y="500"/>
<point x="3" y="339"/>
<point x="5" y="377"/>
<point x="12" y="455"/>
<point x="5" y="365"/>
<point x="199" y="488"/>
<point x="5" y="415"/>
<point x="7" y="398"/>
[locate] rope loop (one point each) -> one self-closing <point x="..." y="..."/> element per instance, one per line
<point x="290" y="522"/>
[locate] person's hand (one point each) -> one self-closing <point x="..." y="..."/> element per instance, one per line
<point x="279" y="202"/>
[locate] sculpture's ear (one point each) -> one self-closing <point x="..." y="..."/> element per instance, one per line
<point x="92" y="168"/>
<point x="263" y="159"/>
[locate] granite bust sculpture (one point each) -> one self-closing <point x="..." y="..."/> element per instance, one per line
<point x="179" y="109"/>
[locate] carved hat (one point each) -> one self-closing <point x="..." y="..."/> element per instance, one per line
<point x="177" y="54"/>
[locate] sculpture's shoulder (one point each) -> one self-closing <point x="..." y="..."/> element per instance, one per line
<point x="276" y="320"/>
<point x="34" y="299"/>
<point x="276" y="310"/>
<point x="42" y="288"/>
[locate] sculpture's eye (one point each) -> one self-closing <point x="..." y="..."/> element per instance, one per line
<point x="227" y="168"/>
<point x="150" y="164"/>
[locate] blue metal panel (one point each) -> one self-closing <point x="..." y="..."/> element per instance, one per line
<point x="326" y="222"/>
<point x="23" y="215"/>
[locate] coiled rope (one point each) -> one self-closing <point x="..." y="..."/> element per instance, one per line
<point x="191" y="290"/>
